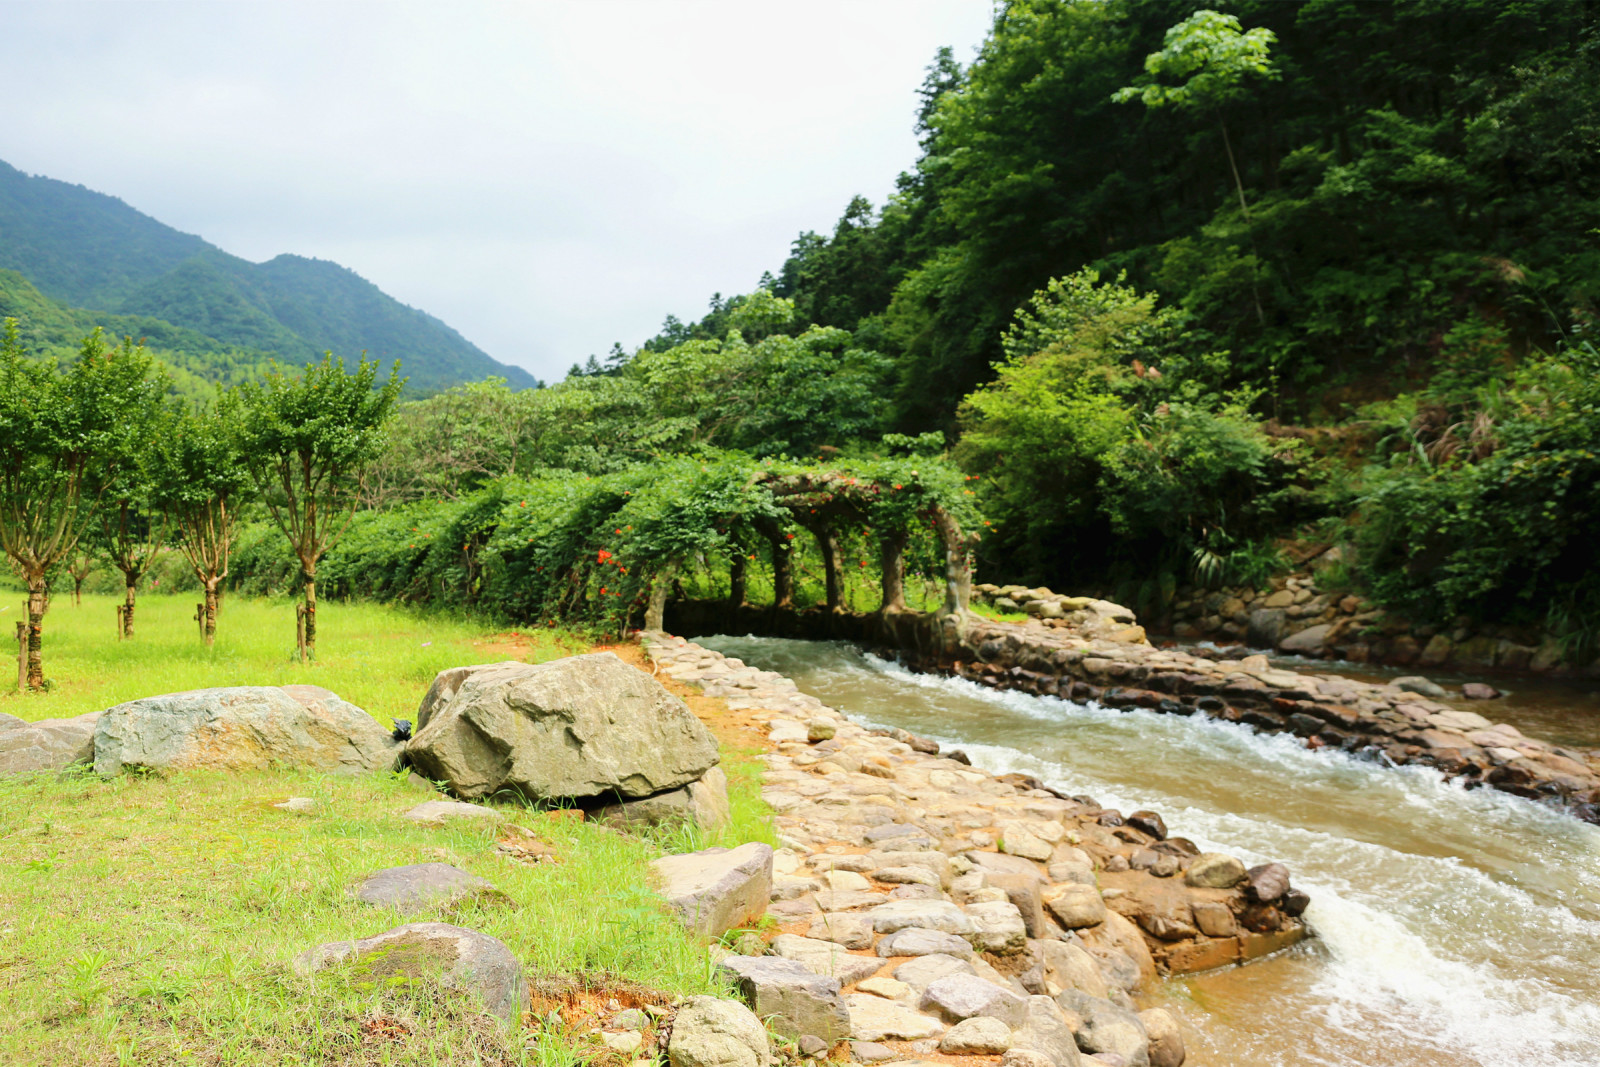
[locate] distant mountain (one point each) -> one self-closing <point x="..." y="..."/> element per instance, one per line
<point x="85" y="250"/>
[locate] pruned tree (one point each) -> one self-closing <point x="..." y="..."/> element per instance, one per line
<point x="132" y="531"/>
<point x="80" y="565"/>
<point x="307" y="442"/>
<point x="198" y="478"/>
<point x="60" y="432"/>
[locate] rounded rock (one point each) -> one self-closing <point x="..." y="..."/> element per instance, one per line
<point x="1215" y="870"/>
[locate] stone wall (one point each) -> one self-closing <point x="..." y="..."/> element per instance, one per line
<point x="1095" y="651"/>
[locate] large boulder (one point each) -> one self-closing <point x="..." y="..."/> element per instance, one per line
<point x="46" y="745"/>
<point x="455" y="957"/>
<point x="718" y="889"/>
<point x="703" y="803"/>
<point x="1108" y="1028"/>
<point x="584" y="726"/>
<point x="240" y="728"/>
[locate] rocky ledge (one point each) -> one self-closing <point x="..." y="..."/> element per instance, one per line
<point x="966" y="913"/>
<point x="1105" y="659"/>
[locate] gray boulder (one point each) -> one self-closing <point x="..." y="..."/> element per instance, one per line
<point x="999" y="927"/>
<point x="46" y="745"/>
<point x="1166" y="1040"/>
<point x="455" y="957"/>
<point x="255" y="727"/>
<point x="712" y="1032"/>
<point x="977" y="1036"/>
<point x="875" y="1019"/>
<point x="923" y="971"/>
<point x="1308" y="640"/>
<point x="1044" y="1030"/>
<point x="914" y="941"/>
<point x="703" y="803"/>
<point x="794" y="999"/>
<point x="1108" y="1028"/>
<point x="425" y="885"/>
<point x="584" y="726"/>
<point x="925" y="914"/>
<point x="1267" y="627"/>
<point x="718" y="889"/>
<point x="963" y="996"/>
<point x="1416" y="683"/>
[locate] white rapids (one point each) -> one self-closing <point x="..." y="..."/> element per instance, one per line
<point x="1454" y="927"/>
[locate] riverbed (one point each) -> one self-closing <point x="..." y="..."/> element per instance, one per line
<point x="1454" y="927"/>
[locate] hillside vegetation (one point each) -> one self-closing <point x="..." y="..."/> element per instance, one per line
<point x="98" y="262"/>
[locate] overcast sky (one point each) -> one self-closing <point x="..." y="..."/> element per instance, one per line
<point x="548" y="178"/>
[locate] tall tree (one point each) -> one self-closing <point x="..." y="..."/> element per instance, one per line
<point x="198" y="476"/>
<point x="62" y="432"/>
<point x="132" y="532"/>
<point x="307" y="442"/>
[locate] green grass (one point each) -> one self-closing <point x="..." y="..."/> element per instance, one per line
<point x="152" y="920"/>
<point x="378" y="657"/>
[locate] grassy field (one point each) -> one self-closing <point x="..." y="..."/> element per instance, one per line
<point x="152" y="920"/>
<point x="378" y="657"/>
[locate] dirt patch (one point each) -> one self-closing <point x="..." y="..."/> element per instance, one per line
<point x="738" y="728"/>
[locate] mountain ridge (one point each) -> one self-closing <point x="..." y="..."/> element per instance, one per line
<point x="88" y="250"/>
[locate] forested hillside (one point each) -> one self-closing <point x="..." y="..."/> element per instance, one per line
<point x="86" y="250"/>
<point x="1180" y="289"/>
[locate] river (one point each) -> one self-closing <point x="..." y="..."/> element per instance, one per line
<point x="1454" y="927"/>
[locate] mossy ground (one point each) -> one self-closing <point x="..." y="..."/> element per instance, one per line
<point x="152" y="920"/>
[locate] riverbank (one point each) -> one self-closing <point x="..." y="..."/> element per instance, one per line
<point x="1095" y="651"/>
<point x="1058" y="892"/>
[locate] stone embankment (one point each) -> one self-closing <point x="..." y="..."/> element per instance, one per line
<point x="1091" y="650"/>
<point x="926" y="906"/>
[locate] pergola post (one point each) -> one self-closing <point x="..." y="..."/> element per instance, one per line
<point x="957" y="564"/>
<point x="737" y="581"/>
<point x="892" y="557"/>
<point x="833" y="578"/>
<point x="655" y="611"/>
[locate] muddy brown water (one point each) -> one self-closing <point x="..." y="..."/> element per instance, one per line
<point x="1454" y="927"/>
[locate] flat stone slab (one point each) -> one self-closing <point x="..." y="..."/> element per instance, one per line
<point x="924" y="914"/>
<point x="875" y="1019"/>
<point x="914" y="941"/>
<point x="825" y="958"/>
<point x="795" y="1000"/>
<point x="425" y="885"/>
<point x="455" y="957"/>
<point x="717" y="889"/>
<point x="439" y="812"/>
<point x="966" y="996"/>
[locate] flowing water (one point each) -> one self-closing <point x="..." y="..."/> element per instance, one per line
<point x="1454" y="927"/>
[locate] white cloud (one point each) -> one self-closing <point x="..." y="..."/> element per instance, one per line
<point x="546" y="177"/>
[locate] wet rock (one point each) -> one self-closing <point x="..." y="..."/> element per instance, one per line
<point x="1416" y="683"/>
<point x="583" y="726"/>
<point x="1479" y="691"/>
<point x="914" y="941"/>
<point x="712" y="1032"/>
<point x="1075" y="906"/>
<point x="240" y="728"/>
<point x="1214" y="870"/>
<point x="425" y="885"/>
<point x="717" y="889"/>
<point x="1311" y="639"/>
<point x="963" y="996"/>
<point x="1148" y="822"/>
<point x="1268" y="882"/>
<point x="792" y="997"/>
<point x="456" y="958"/>
<point x="1166" y="1040"/>
<point x="978" y="1036"/>
<point x="1294" y="902"/>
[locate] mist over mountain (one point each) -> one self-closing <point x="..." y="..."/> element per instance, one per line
<point x="93" y="259"/>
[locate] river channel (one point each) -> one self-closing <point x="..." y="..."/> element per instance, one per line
<point x="1454" y="927"/>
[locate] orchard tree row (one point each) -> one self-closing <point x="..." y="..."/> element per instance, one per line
<point x="98" y="452"/>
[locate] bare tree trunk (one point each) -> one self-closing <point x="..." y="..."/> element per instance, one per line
<point x="211" y="610"/>
<point x="737" y="581"/>
<point x="77" y="591"/>
<point x="309" y="574"/>
<point x="893" y="549"/>
<point x="833" y="580"/>
<point x="38" y="602"/>
<point x="130" y="594"/>
<point x="782" y="575"/>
